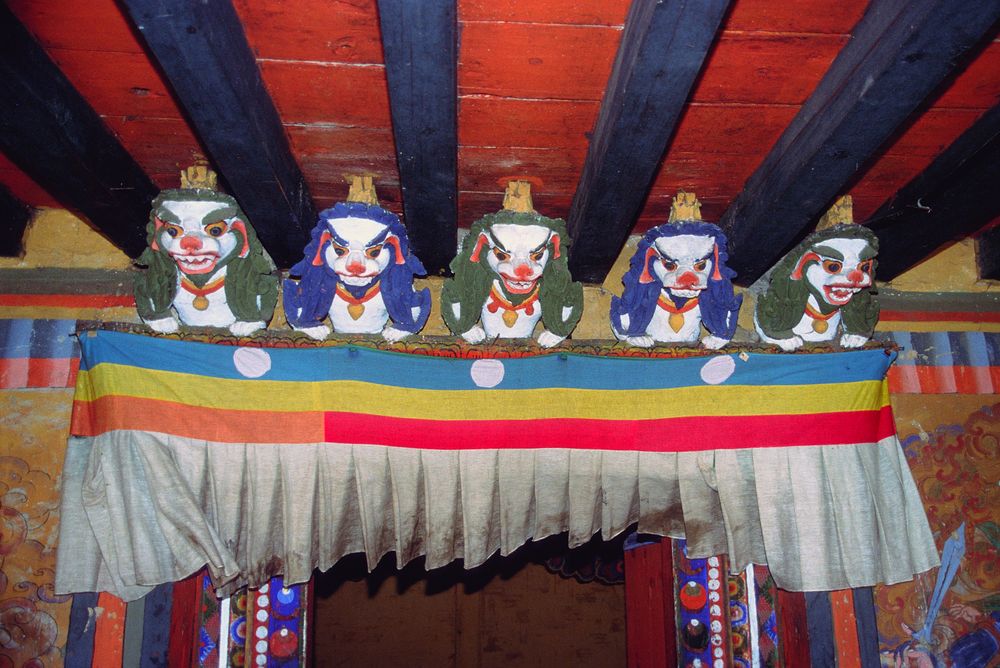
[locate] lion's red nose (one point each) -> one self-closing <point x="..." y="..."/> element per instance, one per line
<point x="522" y="271"/>
<point x="687" y="280"/>
<point x="190" y="243"/>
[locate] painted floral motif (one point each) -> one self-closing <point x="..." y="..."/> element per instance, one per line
<point x="957" y="469"/>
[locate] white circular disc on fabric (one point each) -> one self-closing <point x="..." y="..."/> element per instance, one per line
<point x="718" y="370"/>
<point x="252" y="362"/>
<point x="487" y="373"/>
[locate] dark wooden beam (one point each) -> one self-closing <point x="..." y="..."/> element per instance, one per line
<point x="954" y="197"/>
<point x="898" y="56"/>
<point x="988" y="254"/>
<point x="419" y="40"/>
<point x="204" y="53"/>
<point x="50" y="132"/>
<point x="14" y="217"/>
<point x="650" y="609"/>
<point x="662" y="50"/>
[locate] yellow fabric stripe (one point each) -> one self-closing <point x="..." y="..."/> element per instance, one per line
<point x="361" y="397"/>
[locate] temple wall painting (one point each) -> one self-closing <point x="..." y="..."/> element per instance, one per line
<point x="946" y="399"/>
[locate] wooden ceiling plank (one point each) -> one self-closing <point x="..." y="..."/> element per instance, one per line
<point x="14" y="217"/>
<point x="419" y="40"/>
<point x="955" y="196"/>
<point x="988" y="254"/>
<point x="900" y="53"/>
<point x="203" y="52"/>
<point x="662" y="50"/>
<point x="50" y="132"/>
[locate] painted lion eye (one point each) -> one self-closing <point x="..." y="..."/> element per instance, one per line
<point x="339" y="250"/>
<point x="372" y="252"/>
<point x="537" y="255"/>
<point x="174" y="231"/>
<point x="503" y="256"/>
<point x="866" y="266"/>
<point x="700" y="265"/>
<point x="669" y="265"/>
<point x="216" y="229"/>
<point x="832" y="266"/>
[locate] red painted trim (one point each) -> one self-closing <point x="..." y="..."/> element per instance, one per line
<point x="793" y="629"/>
<point x="650" y="615"/>
<point x="68" y="301"/>
<point x="109" y="632"/>
<point x="939" y="316"/>
<point x="183" y="621"/>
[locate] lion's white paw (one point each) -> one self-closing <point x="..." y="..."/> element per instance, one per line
<point x="713" y="342"/>
<point x="392" y="335"/>
<point x="641" y="341"/>
<point x="788" y="345"/>
<point x="853" y="340"/>
<point x="317" y="332"/>
<point x="547" y="339"/>
<point x="166" y="325"/>
<point x="475" y="335"/>
<point x="244" y="328"/>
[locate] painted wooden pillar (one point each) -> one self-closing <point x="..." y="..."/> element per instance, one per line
<point x="650" y="613"/>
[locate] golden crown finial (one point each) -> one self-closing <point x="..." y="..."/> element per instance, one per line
<point x="685" y="207"/>
<point x="362" y="189"/>
<point x="841" y="213"/>
<point x="517" y="197"/>
<point x="199" y="175"/>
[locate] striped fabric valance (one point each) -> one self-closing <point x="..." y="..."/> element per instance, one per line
<point x="266" y="461"/>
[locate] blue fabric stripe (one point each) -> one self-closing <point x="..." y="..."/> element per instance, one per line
<point x="922" y="344"/>
<point x="993" y="348"/>
<point x="15" y="338"/>
<point x="941" y="354"/>
<point x="959" y="352"/>
<point x="435" y="373"/>
<point x="80" y="637"/>
<point x="156" y="626"/>
<point x="54" y="339"/>
<point x="974" y="344"/>
<point x="904" y="341"/>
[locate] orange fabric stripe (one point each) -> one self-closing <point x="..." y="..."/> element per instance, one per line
<point x="109" y="632"/>
<point x="213" y="424"/>
<point x="845" y="628"/>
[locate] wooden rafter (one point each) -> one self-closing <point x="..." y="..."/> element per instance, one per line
<point x="204" y="53"/>
<point x="419" y="39"/>
<point x="662" y="50"/>
<point x="50" y="132"/>
<point x="898" y="56"/>
<point x="954" y="197"/>
<point x="14" y="216"/>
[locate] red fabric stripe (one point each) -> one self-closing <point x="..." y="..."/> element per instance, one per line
<point x="928" y="379"/>
<point x="71" y="301"/>
<point x="109" y="632"/>
<point x="183" y="621"/>
<point x="982" y="381"/>
<point x="686" y="434"/>
<point x="650" y="624"/>
<point x="13" y="373"/>
<point x="939" y="316"/>
<point x="43" y="372"/>
<point x="793" y="629"/>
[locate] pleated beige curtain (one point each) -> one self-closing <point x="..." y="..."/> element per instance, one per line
<point x="140" y="508"/>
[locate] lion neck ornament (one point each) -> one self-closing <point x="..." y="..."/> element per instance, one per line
<point x="678" y="282"/>
<point x="824" y="286"/>
<point x="358" y="270"/>
<point x="512" y="273"/>
<point x="206" y="267"/>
